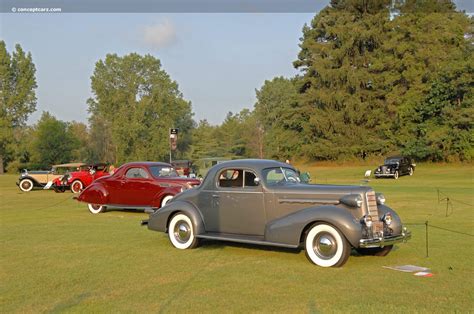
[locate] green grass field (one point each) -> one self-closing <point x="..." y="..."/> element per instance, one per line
<point x="56" y="257"/>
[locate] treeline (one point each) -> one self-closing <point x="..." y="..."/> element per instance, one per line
<point x="375" y="78"/>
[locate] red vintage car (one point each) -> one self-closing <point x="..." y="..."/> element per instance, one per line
<point x="136" y="185"/>
<point x="76" y="181"/>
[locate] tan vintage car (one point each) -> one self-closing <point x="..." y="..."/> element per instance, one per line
<point x="43" y="178"/>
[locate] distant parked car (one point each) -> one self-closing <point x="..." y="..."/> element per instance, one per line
<point x="76" y="181"/>
<point x="183" y="167"/>
<point x="395" y="167"/>
<point x="44" y="178"/>
<point x="136" y="185"/>
<point x="263" y="202"/>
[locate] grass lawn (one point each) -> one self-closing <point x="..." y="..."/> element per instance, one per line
<point x="56" y="257"/>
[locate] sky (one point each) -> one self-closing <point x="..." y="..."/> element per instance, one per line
<point x="218" y="59"/>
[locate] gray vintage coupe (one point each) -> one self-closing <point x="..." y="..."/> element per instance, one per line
<point x="263" y="202"/>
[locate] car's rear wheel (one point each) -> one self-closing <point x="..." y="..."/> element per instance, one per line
<point x="378" y="251"/>
<point x="396" y="175"/>
<point x="166" y="199"/>
<point x="26" y="185"/>
<point x="410" y="171"/>
<point x="76" y="186"/>
<point x="181" y="232"/>
<point x="96" y="209"/>
<point x="326" y="246"/>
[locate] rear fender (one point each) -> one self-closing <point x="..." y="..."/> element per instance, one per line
<point x="94" y="194"/>
<point x="290" y="228"/>
<point x="159" y="220"/>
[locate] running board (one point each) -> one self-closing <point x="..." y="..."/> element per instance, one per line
<point x="242" y="239"/>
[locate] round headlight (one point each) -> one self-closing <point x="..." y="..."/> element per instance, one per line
<point x="368" y="221"/>
<point x="380" y="199"/>
<point x="387" y="218"/>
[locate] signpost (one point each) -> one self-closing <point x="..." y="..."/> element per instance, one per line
<point x="173" y="140"/>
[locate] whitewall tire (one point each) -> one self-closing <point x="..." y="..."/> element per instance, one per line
<point x="326" y="246"/>
<point x="166" y="199"/>
<point x="96" y="209"/>
<point x="26" y="185"/>
<point x="181" y="232"/>
<point x="76" y="186"/>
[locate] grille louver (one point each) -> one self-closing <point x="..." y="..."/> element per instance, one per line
<point x="373" y="212"/>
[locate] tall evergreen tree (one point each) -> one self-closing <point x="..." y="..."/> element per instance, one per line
<point x="364" y="73"/>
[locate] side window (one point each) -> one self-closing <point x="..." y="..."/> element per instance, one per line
<point x="231" y="178"/>
<point x="135" y="173"/>
<point x="249" y="179"/>
<point x="273" y="176"/>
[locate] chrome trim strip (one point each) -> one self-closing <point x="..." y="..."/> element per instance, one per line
<point x="307" y="201"/>
<point x="228" y="191"/>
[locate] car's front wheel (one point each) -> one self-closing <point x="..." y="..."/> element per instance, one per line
<point x="181" y="232"/>
<point x="76" y="186"/>
<point x="26" y="185"/>
<point x="326" y="246"/>
<point x="396" y="175"/>
<point x="96" y="209"/>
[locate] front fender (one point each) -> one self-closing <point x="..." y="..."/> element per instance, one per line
<point x="158" y="221"/>
<point x="396" y="224"/>
<point x="288" y="229"/>
<point x="172" y="190"/>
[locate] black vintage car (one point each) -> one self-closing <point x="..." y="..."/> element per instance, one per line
<point x="395" y="166"/>
<point x="264" y="202"/>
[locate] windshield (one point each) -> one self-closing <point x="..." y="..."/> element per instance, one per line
<point x="163" y="171"/>
<point x="392" y="161"/>
<point x="280" y="175"/>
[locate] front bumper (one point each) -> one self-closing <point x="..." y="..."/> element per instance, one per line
<point x="385" y="241"/>
<point x="384" y="175"/>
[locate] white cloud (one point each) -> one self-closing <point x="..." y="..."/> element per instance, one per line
<point x="159" y="35"/>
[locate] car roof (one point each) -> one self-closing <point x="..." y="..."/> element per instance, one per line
<point x="257" y="164"/>
<point x="73" y="164"/>
<point x="147" y="163"/>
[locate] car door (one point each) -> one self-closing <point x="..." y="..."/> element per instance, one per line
<point x="135" y="188"/>
<point x="236" y="205"/>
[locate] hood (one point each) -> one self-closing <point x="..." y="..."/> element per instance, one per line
<point x="320" y="189"/>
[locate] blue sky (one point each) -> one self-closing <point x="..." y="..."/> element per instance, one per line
<point x="218" y="60"/>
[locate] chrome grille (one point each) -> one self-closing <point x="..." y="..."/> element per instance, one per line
<point x="373" y="212"/>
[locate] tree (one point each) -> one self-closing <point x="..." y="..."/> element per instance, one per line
<point x="17" y="98"/>
<point x="442" y="123"/>
<point x="53" y="142"/>
<point x="280" y="118"/>
<point x="204" y="142"/>
<point x="363" y="73"/>
<point x="136" y="102"/>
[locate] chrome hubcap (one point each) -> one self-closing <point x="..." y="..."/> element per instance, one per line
<point x="182" y="231"/>
<point x="325" y="246"/>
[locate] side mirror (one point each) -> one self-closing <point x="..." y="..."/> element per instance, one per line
<point x="256" y="181"/>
